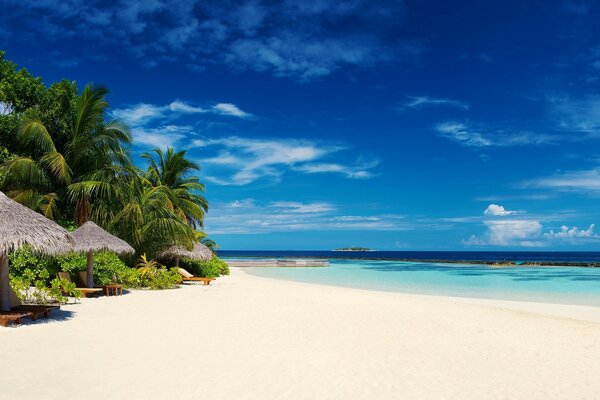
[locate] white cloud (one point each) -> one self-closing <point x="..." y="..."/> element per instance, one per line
<point x="143" y="113"/>
<point x="503" y="229"/>
<point x="424" y="101"/>
<point x="293" y="206"/>
<point x="352" y="218"/>
<point x="246" y="160"/>
<point x="158" y="126"/>
<point x="504" y="233"/>
<point x="360" y="171"/>
<point x="230" y="109"/>
<point x="481" y="137"/>
<point x="518" y="233"/>
<point x="250" y="217"/>
<point x="581" y="181"/>
<point x="497" y="210"/>
<point x="571" y="233"/>
<point x="162" y="137"/>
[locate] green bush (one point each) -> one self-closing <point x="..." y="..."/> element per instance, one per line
<point x="108" y="268"/>
<point x="31" y="287"/>
<point x="24" y="259"/>
<point x="158" y="277"/>
<point x="208" y="269"/>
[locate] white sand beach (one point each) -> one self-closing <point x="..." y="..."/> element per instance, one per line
<point x="255" y="338"/>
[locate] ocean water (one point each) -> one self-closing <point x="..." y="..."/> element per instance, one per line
<point x="566" y="285"/>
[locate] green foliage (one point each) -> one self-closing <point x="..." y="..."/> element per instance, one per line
<point x="208" y="269"/>
<point x="108" y="267"/>
<point x="32" y="287"/>
<point x="24" y="259"/>
<point x="152" y="275"/>
<point x="158" y="278"/>
<point x="62" y="156"/>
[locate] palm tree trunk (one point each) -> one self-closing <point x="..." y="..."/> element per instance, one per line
<point x="90" y="269"/>
<point x="4" y="283"/>
<point x="177" y="261"/>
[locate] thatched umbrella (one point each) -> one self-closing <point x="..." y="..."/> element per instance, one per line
<point x="199" y="252"/>
<point x="89" y="237"/>
<point x="21" y="226"/>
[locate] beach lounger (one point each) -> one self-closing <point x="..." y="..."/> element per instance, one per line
<point x="36" y="310"/>
<point x="187" y="277"/>
<point x="14" y="317"/>
<point x="85" y="291"/>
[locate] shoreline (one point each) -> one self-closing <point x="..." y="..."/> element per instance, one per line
<point x="496" y="263"/>
<point x="577" y="312"/>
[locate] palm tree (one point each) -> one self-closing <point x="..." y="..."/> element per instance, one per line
<point x="84" y="172"/>
<point x="147" y="218"/>
<point x="174" y="171"/>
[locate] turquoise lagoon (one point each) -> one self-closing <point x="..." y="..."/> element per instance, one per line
<point x="566" y="285"/>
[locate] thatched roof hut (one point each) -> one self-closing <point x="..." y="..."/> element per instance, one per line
<point x="21" y="226"/>
<point x="199" y="252"/>
<point x="89" y="237"/>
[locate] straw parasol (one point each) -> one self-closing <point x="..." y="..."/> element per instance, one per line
<point x="21" y="226"/>
<point x="199" y="252"/>
<point x="89" y="237"/>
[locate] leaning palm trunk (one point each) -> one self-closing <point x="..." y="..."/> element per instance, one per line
<point x="82" y="210"/>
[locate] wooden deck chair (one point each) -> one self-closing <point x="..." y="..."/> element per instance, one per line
<point x="14" y="317"/>
<point x="85" y="291"/>
<point x="36" y="310"/>
<point x="187" y="277"/>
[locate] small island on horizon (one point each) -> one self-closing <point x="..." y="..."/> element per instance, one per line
<point x="353" y="249"/>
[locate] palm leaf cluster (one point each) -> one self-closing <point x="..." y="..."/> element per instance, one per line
<point x="86" y="174"/>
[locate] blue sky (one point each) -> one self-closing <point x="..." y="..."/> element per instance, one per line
<point x="415" y="125"/>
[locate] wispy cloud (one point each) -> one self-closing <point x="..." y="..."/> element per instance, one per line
<point x="286" y="38"/>
<point x="358" y="171"/>
<point x="245" y="160"/>
<point x="248" y="216"/>
<point x="161" y="125"/>
<point x="481" y="137"/>
<point x="143" y="113"/>
<point x="576" y="115"/>
<point x="579" y="181"/>
<point x="426" y="101"/>
<point x="230" y="109"/>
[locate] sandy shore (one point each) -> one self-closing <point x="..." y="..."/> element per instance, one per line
<point x="255" y="338"/>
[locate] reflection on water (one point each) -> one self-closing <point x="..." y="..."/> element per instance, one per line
<point x="571" y="285"/>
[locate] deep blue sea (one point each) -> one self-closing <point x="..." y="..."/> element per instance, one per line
<point x="383" y="271"/>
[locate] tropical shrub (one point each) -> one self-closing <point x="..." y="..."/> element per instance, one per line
<point x="152" y="275"/>
<point x="24" y="259"/>
<point x="32" y="287"/>
<point x="208" y="269"/>
<point x="159" y="278"/>
<point x="108" y="267"/>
